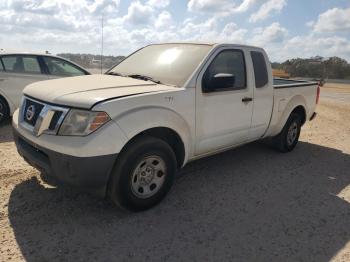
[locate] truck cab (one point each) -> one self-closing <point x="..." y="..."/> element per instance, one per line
<point x="239" y="80"/>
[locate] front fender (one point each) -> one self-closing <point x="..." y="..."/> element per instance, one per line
<point x="140" y="119"/>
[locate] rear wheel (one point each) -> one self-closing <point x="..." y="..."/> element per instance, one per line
<point x="143" y="174"/>
<point x="4" y="110"/>
<point x="289" y="137"/>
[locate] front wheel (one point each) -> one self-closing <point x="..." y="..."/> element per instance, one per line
<point x="289" y="136"/>
<point x="143" y="174"/>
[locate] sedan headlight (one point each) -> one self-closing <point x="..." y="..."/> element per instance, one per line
<point x="82" y="122"/>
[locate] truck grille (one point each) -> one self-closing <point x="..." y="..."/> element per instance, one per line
<point x="54" y="121"/>
<point x="39" y="117"/>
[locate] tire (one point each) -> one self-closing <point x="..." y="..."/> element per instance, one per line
<point x="4" y="111"/>
<point x="143" y="174"/>
<point x="289" y="136"/>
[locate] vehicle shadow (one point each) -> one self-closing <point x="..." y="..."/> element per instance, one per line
<point x="248" y="204"/>
<point x="6" y="132"/>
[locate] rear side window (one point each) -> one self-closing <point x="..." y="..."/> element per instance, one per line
<point x="31" y="65"/>
<point x="60" y="67"/>
<point x="260" y="69"/>
<point x="21" y="64"/>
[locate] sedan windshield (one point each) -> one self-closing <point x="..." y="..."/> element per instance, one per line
<point x="170" y="64"/>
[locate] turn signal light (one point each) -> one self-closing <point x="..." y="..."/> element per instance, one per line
<point x="100" y="119"/>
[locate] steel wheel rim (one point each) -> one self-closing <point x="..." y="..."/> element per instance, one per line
<point x="292" y="133"/>
<point x="148" y="176"/>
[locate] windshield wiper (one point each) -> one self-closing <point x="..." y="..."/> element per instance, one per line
<point x="115" y="74"/>
<point x="146" y="78"/>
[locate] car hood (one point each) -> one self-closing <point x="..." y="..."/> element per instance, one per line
<point x="85" y="91"/>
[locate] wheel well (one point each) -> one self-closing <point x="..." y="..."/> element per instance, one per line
<point x="169" y="136"/>
<point x="300" y="110"/>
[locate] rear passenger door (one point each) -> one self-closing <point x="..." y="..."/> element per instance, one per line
<point x="19" y="71"/>
<point x="224" y="102"/>
<point x="263" y="94"/>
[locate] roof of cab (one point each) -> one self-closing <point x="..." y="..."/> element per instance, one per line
<point x="217" y="44"/>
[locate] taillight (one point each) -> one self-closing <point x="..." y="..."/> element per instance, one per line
<point x="318" y="94"/>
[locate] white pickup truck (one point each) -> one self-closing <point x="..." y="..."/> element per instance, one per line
<point x="125" y="133"/>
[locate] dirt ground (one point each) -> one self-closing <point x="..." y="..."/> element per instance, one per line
<point x="248" y="204"/>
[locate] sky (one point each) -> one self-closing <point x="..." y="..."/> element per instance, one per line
<point x="285" y="28"/>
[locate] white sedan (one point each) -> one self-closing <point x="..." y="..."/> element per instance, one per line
<point x="17" y="70"/>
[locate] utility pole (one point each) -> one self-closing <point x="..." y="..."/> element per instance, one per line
<point x="101" y="43"/>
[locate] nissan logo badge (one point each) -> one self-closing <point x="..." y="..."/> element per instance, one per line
<point x="30" y="112"/>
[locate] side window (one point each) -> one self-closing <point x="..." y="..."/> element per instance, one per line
<point x="9" y="63"/>
<point x="21" y="64"/>
<point x="260" y="69"/>
<point x="60" y="67"/>
<point x="226" y="72"/>
<point x="1" y="66"/>
<point x="31" y="65"/>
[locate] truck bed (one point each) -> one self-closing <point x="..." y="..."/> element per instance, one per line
<point x="288" y="83"/>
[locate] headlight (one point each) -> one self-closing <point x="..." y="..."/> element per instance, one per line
<point x="82" y="122"/>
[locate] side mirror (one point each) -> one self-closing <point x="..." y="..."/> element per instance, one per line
<point x="220" y="81"/>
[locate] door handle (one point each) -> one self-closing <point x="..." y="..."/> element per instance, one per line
<point x="247" y="99"/>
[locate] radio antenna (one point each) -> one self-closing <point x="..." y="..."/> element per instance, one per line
<point x="101" y="43"/>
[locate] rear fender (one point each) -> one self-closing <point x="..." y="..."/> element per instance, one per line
<point x="296" y="101"/>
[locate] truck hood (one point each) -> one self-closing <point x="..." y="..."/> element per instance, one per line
<point x="85" y="91"/>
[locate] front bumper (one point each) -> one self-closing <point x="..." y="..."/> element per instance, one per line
<point x="90" y="174"/>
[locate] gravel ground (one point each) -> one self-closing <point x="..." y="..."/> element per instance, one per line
<point x="248" y="204"/>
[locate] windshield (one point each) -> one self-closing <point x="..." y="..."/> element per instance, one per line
<point x="170" y="64"/>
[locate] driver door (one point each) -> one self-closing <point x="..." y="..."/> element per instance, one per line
<point x="224" y="102"/>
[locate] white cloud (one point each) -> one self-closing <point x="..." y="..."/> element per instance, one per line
<point x="139" y="14"/>
<point x="163" y="20"/>
<point x="271" y="34"/>
<point x="333" y="20"/>
<point x="33" y="6"/>
<point x="54" y="7"/>
<point x="245" y="5"/>
<point x="210" y="31"/>
<point x="191" y="30"/>
<point x="233" y="34"/>
<point x="327" y="45"/>
<point x="225" y="7"/>
<point x="266" y="9"/>
<point x="210" y="6"/>
<point x="311" y="45"/>
<point x="158" y="3"/>
<point x="105" y="7"/>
